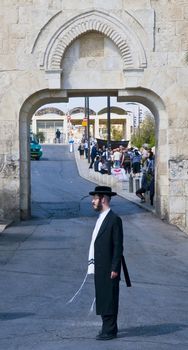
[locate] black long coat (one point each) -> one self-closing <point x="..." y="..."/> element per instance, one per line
<point x="108" y="251"/>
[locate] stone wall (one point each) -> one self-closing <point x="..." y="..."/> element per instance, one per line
<point x="139" y="49"/>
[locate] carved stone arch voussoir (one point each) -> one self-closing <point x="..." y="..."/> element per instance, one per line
<point x="120" y="36"/>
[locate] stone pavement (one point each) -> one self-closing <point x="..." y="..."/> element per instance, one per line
<point x="43" y="263"/>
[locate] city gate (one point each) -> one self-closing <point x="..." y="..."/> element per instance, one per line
<point x="65" y="49"/>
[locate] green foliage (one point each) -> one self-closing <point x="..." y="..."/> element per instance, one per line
<point x="40" y="136"/>
<point x="116" y="134"/>
<point x="145" y="134"/>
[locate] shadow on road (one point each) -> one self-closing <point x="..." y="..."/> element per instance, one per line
<point x="151" y="330"/>
<point x="7" y="316"/>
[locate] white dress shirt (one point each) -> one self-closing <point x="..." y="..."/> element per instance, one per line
<point x="91" y="262"/>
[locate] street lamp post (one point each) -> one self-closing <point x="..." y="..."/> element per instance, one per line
<point x="108" y="135"/>
<point x="85" y="110"/>
<point x="88" y="125"/>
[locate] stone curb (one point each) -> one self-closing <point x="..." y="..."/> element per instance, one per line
<point x="4" y="225"/>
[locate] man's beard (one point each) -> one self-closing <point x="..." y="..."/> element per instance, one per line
<point x="98" y="207"/>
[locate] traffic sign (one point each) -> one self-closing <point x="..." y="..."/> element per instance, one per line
<point x="84" y="122"/>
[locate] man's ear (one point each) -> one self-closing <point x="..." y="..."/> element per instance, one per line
<point x="103" y="200"/>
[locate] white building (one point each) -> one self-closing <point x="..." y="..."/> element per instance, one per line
<point x="48" y="119"/>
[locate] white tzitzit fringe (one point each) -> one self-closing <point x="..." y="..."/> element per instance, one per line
<point x="78" y="291"/>
<point x="92" y="306"/>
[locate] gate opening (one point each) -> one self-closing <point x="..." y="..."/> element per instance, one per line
<point x="69" y="124"/>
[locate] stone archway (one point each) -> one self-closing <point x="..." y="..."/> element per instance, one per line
<point x="129" y="40"/>
<point x="151" y="44"/>
<point x="97" y="21"/>
<point x="128" y="36"/>
<point x="28" y="108"/>
<point x="155" y="104"/>
<point x="146" y="97"/>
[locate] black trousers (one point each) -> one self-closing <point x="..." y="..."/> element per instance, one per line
<point x="109" y="324"/>
<point x="92" y="162"/>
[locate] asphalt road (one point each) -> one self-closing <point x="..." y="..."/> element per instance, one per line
<point x="43" y="262"/>
<point x="57" y="190"/>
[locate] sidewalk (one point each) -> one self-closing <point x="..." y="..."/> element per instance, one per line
<point x="121" y="187"/>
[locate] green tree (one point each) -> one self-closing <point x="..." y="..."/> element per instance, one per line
<point x="145" y="133"/>
<point x="116" y="134"/>
<point x="40" y="136"/>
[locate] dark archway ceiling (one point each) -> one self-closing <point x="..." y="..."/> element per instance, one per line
<point x="114" y="109"/>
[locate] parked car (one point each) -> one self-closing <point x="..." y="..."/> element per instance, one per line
<point x="35" y="147"/>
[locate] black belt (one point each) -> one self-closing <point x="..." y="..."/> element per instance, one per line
<point x="126" y="274"/>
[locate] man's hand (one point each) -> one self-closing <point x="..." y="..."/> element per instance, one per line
<point x="114" y="274"/>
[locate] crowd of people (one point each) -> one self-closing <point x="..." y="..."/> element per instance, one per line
<point x="134" y="161"/>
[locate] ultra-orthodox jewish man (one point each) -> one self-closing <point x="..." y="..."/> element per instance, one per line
<point x="105" y="258"/>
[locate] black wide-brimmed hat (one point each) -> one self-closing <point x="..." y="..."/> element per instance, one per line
<point x="104" y="190"/>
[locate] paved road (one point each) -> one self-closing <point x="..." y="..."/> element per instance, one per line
<point x="59" y="192"/>
<point x="43" y="262"/>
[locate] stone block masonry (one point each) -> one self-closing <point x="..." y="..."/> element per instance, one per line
<point x="51" y="50"/>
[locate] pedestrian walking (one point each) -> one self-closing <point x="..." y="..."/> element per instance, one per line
<point x="105" y="257"/>
<point x="58" y="134"/>
<point x="96" y="163"/>
<point x="93" y="155"/>
<point x="117" y="158"/>
<point x="81" y="150"/>
<point x="145" y="184"/>
<point x="86" y="148"/>
<point x="126" y="161"/>
<point x="136" y="162"/>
